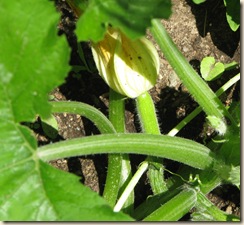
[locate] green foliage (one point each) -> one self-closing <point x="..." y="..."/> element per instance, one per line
<point x="232" y="12"/>
<point x="198" y="1"/>
<point x="205" y="210"/>
<point x="235" y="176"/>
<point x="229" y="151"/>
<point x="29" y="49"/>
<point x="34" y="60"/>
<point x="233" y="8"/>
<point x="196" y="86"/>
<point x="50" y="127"/>
<point x="181" y="203"/>
<point x="131" y="17"/>
<point x="211" y="70"/>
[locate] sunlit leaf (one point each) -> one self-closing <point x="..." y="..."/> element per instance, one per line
<point x="233" y="13"/>
<point x="33" y="61"/>
<point x="198" y="1"/>
<point x="211" y="70"/>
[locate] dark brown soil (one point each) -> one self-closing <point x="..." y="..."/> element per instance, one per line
<point x="198" y="31"/>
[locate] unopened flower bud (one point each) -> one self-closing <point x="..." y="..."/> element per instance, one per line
<point x="129" y="67"/>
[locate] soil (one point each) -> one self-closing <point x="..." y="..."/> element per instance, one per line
<point x="198" y="31"/>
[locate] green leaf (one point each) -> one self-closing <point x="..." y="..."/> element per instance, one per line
<point x="46" y="193"/>
<point x="230" y="150"/>
<point x="235" y="110"/>
<point x="132" y="17"/>
<point x="30" y="49"/>
<point x="233" y="13"/>
<point x="198" y="1"/>
<point x="33" y="61"/>
<point x="210" y="70"/>
<point x="73" y="200"/>
<point x="229" y="159"/>
<point x="235" y="176"/>
<point x="50" y="127"/>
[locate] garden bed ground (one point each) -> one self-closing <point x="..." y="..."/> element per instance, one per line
<point x="198" y="31"/>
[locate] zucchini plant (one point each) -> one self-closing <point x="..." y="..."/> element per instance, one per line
<point x="34" y="60"/>
<point x="232" y="12"/>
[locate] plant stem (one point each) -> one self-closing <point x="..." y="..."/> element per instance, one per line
<point x="194" y="113"/>
<point x="119" y="169"/>
<point x="175" y="148"/>
<point x="118" y="164"/>
<point x="175" y="208"/>
<point x="129" y="188"/>
<point x="117" y="110"/>
<point x="112" y="184"/>
<point x="207" y="211"/>
<point x="91" y="113"/>
<point x="149" y="124"/>
<point x="152" y="203"/>
<point x="196" y="86"/>
<point x="147" y="114"/>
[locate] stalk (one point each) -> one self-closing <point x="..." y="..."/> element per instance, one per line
<point x="196" y="86"/>
<point x="149" y="124"/>
<point x="175" y="208"/>
<point x="207" y="211"/>
<point x="195" y="112"/>
<point x="129" y="188"/>
<point x="91" y="113"/>
<point x="119" y="169"/>
<point x="175" y="148"/>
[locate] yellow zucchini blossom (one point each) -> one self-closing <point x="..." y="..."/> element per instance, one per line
<point x="129" y="67"/>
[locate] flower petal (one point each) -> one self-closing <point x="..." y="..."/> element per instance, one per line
<point x="136" y="65"/>
<point x="128" y="67"/>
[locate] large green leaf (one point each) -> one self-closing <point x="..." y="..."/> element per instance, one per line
<point x="233" y="13"/>
<point x="30" y="49"/>
<point x="33" y="61"/>
<point x="133" y="17"/>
